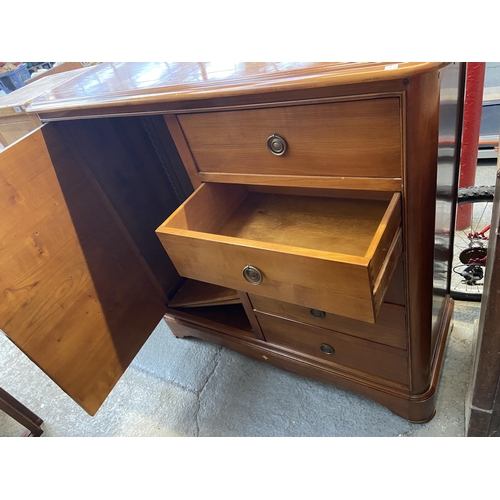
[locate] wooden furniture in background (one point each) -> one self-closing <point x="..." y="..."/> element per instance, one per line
<point x="311" y="203"/>
<point x="60" y="68"/>
<point x="12" y="407"/>
<point x="483" y="405"/>
<point x="14" y="121"/>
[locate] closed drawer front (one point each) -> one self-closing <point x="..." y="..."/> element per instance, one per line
<point x="389" y="329"/>
<point x="350" y="352"/>
<point x="360" y="138"/>
<point x="333" y="254"/>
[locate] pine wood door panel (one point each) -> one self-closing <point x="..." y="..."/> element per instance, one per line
<point x="75" y="297"/>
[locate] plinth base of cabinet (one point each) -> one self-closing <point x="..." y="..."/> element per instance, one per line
<point x="416" y="409"/>
<point x="422" y="407"/>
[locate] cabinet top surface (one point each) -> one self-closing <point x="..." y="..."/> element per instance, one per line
<point x="114" y="85"/>
<point x="16" y="102"/>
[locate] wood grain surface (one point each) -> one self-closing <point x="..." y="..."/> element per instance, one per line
<point x="197" y="293"/>
<point x="349" y="351"/>
<point x="382" y="282"/>
<point x="247" y="305"/>
<point x="218" y="231"/>
<point x="338" y="225"/>
<point x="15" y="103"/>
<point x="310" y="181"/>
<point x="122" y="160"/>
<point x="389" y="329"/>
<point x="13" y="128"/>
<point x="422" y="128"/>
<point x="360" y="138"/>
<point x="75" y="298"/>
<point x="183" y="149"/>
<point x="382" y="239"/>
<point x="116" y="86"/>
<point x="359" y="127"/>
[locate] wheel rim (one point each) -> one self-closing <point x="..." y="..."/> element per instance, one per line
<point x="468" y="248"/>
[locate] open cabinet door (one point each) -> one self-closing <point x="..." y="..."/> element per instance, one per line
<point x="75" y="296"/>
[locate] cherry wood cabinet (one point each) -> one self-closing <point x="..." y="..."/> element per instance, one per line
<point x="297" y="213"/>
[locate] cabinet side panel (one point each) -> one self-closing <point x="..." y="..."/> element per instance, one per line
<point x="74" y="296"/>
<point x="124" y="162"/>
<point x="422" y="113"/>
<point x="450" y="128"/>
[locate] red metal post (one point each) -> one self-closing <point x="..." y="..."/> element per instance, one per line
<point x="473" y="105"/>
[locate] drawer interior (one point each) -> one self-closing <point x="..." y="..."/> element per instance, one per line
<point x="329" y="224"/>
<point x="230" y="315"/>
<point x="301" y="240"/>
<point x="211" y="303"/>
<point x="326" y="223"/>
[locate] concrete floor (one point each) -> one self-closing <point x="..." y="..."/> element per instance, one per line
<point x="187" y="387"/>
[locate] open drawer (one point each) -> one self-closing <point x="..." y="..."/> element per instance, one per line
<point x="306" y="247"/>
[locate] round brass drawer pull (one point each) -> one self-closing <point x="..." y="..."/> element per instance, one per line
<point x="276" y="145"/>
<point x="327" y="349"/>
<point x="252" y="275"/>
<point x="317" y="313"/>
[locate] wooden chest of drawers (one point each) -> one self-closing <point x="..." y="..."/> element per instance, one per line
<point x="291" y="220"/>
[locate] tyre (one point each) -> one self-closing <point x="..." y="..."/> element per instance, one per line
<point x="471" y="243"/>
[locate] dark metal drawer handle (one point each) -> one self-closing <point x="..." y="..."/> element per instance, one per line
<point x="317" y="313"/>
<point x="276" y="145"/>
<point x="252" y="275"/>
<point x="327" y="349"/>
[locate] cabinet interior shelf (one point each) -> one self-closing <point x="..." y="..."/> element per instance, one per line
<point x="195" y="293"/>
